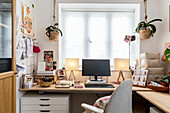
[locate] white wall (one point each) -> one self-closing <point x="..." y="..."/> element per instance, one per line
<point x="28" y="62"/>
<point x="44" y="11"/>
<point x="164" y="29"/>
<point x="153" y="12"/>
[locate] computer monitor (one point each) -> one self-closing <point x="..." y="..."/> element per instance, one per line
<point x="95" y="67"/>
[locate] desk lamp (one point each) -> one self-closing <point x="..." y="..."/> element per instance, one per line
<point x="71" y="64"/>
<point x="121" y="65"/>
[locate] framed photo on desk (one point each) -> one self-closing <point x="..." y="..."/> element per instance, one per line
<point x="140" y="77"/>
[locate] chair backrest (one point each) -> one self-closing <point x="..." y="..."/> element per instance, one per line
<point x="121" y="99"/>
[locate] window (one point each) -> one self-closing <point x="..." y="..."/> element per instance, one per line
<point x="5" y="37"/>
<point x="96" y="34"/>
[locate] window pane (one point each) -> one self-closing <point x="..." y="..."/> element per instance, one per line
<point x="121" y="25"/>
<point x="98" y="35"/>
<point x="5" y="31"/>
<point x="74" y="27"/>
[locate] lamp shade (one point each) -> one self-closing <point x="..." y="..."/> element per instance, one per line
<point x="71" y="63"/>
<point x="121" y="64"/>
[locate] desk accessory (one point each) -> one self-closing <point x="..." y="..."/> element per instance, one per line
<point x="45" y="82"/>
<point x="158" y="88"/>
<point x="161" y="84"/>
<point x="140" y="77"/>
<point x="61" y="74"/>
<point x="96" y="82"/>
<point x="71" y="64"/>
<point x="78" y="84"/>
<point x="121" y="65"/>
<point x="63" y="84"/>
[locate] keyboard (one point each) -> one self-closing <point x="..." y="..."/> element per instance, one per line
<point x="99" y="86"/>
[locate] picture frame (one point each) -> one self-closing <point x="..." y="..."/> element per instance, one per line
<point x="139" y="77"/>
<point x="48" y="59"/>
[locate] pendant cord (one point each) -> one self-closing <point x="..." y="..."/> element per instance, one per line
<point x="145" y="5"/>
<point x="54" y="4"/>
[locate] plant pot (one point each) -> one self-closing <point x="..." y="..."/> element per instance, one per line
<point x="53" y="35"/>
<point x="145" y="34"/>
<point x="164" y="84"/>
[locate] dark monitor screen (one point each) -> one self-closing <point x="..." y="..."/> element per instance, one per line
<point x="92" y="67"/>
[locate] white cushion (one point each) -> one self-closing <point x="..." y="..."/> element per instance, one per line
<point x="150" y="55"/>
<point x="102" y="102"/>
<point x="145" y="63"/>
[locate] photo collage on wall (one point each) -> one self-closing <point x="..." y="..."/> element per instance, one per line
<point x="140" y="77"/>
<point x="48" y="59"/>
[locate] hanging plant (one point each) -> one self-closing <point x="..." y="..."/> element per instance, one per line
<point x="53" y="31"/>
<point x="144" y="28"/>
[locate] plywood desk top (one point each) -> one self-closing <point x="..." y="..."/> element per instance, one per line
<point x="161" y="100"/>
<point x="71" y="89"/>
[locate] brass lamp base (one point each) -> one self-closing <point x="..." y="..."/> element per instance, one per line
<point x="71" y="77"/>
<point x="120" y="75"/>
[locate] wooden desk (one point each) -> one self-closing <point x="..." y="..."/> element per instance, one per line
<point x="161" y="100"/>
<point x="72" y="90"/>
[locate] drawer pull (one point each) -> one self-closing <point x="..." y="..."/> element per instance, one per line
<point x="44" y="104"/>
<point x="44" y="110"/>
<point x="44" y="99"/>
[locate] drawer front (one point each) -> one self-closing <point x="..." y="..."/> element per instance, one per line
<point x="44" y="101"/>
<point x="43" y="111"/>
<point x="44" y="107"/>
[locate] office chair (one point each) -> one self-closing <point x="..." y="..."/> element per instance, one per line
<point x="120" y="101"/>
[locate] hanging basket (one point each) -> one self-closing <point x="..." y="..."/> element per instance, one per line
<point x="53" y="35"/>
<point x="145" y="34"/>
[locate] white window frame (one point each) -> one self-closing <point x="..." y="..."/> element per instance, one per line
<point x="94" y="6"/>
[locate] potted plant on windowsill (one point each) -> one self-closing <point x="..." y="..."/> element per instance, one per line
<point x="53" y="32"/>
<point x="146" y="29"/>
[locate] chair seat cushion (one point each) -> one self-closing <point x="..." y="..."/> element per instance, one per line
<point x="102" y="102"/>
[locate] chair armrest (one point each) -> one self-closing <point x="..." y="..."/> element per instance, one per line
<point x="90" y="108"/>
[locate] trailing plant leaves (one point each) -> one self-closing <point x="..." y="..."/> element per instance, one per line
<point x="56" y="24"/>
<point x="141" y="22"/>
<point x="164" y="78"/>
<point x="48" y="34"/>
<point x="154" y="20"/>
<point x="152" y="27"/>
<point x="53" y="28"/>
<point x="148" y="25"/>
<point x="59" y="31"/>
<point x="166" y="81"/>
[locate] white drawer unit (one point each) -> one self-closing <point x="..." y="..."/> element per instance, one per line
<point x="46" y="103"/>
